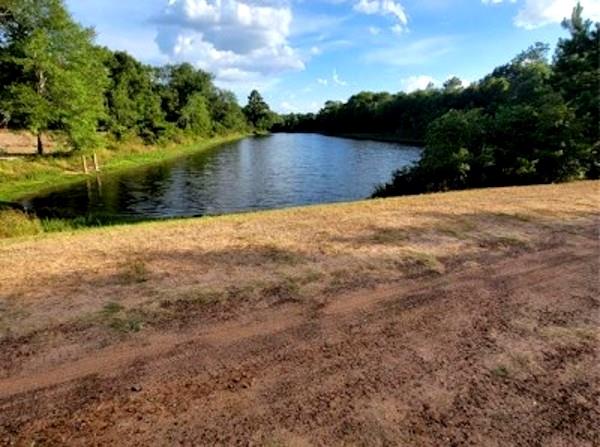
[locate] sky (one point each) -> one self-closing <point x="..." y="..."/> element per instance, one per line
<point x="300" y="53"/>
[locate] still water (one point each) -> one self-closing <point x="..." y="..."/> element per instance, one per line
<point x="276" y="171"/>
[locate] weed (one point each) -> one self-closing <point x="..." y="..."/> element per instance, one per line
<point x="196" y="296"/>
<point x="135" y="270"/>
<point x="14" y="223"/>
<point x="111" y="309"/>
<point x="116" y="317"/>
<point x="423" y="262"/>
<point x="387" y="236"/>
<point x="500" y="371"/>
<point x="284" y="291"/>
<point x="131" y="323"/>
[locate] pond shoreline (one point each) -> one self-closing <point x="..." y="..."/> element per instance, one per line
<point x="253" y="173"/>
<point x="36" y="175"/>
<point x="380" y="137"/>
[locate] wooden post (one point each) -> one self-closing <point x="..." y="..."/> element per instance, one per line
<point x="84" y="161"/>
<point x="96" y="164"/>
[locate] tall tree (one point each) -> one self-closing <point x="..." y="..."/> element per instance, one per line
<point x="258" y="112"/>
<point x="61" y="77"/>
<point x="577" y="77"/>
<point x="134" y="104"/>
<point x="178" y="84"/>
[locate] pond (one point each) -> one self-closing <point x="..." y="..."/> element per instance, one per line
<point x="276" y="171"/>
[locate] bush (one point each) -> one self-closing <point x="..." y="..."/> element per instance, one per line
<point x="15" y="223"/>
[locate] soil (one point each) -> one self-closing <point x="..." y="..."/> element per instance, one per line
<point x="498" y="352"/>
<point x="21" y="143"/>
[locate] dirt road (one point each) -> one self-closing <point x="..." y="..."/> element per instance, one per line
<point x="498" y="349"/>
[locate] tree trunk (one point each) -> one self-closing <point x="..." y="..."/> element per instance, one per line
<point x="40" y="144"/>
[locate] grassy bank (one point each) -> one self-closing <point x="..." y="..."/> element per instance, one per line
<point x="395" y="319"/>
<point x="25" y="176"/>
<point x="294" y="253"/>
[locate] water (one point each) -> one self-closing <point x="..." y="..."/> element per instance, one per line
<point x="258" y="173"/>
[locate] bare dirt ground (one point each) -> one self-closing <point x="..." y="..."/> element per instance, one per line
<point x="467" y="318"/>
<point x="21" y="143"/>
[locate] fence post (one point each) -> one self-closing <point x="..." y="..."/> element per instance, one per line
<point x="84" y="161"/>
<point x="96" y="164"/>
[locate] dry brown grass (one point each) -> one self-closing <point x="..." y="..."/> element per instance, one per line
<point x="295" y="254"/>
<point x="22" y="143"/>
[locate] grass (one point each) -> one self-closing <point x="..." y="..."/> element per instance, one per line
<point x="266" y="258"/>
<point x="25" y="176"/>
<point x="15" y="223"/>
<point x="135" y="270"/>
<point x="114" y="316"/>
<point x="500" y="371"/>
<point x="18" y="224"/>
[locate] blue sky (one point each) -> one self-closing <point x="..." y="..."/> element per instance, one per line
<point x="299" y="53"/>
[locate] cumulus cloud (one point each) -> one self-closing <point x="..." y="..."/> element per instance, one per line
<point x="238" y="40"/>
<point x="537" y="13"/>
<point x="420" y="82"/>
<point x="384" y="7"/>
<point x="337" y="80"/>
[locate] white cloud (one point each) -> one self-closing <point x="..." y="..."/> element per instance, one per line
<point x="288" y="107"/>
<point x="384" y="7"/>
<point x="238" y="40"/>
<point x="374" y="30"/>
<point x="414" y="53"/>
<point x="414" y="83"/>
<point x="337" y="80"/>
<point x="537" y="13"/>
<point x="397" y="29"/>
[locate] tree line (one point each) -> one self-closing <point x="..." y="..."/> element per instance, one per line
<point x="529" y="121"/>
<point x="54" y="78"/>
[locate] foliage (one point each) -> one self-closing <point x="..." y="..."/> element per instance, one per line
<point x="195" y="116"/>
<point x="529" y="121"/>
<point x="14" y="223"/>
<point x="258" y="112"/>
<point x="577" y="77"/>
<point x="53" y="78"/>
<point x="57" y="79"/>
<point x="134" y="106"/>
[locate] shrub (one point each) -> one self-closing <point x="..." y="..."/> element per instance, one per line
<point x="14" y="223"/>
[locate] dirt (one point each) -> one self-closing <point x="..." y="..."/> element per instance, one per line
<point x="504" y="353"/>
<point x="22" y="143"/>
<point x="406" y="322"/>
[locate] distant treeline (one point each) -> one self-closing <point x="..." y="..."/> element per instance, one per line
<point x="529" y="121"/>
<point x="53" y="78"/>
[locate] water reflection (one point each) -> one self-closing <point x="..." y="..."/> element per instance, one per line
<point x="256" y="173"/>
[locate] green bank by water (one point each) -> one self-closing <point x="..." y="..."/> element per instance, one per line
<point x="21" y="177"/>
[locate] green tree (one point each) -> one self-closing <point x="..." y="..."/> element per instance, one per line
<point x="577" y="78"/>
<point x="134" y="105"/>
<point x="195" y="116"/>
<point x="453" y="85"/>
<point x="258" y="112"/>
<point x="178" y="83"/>
<point x="226" y="113"/>
<point x="61" y="78"/>
<point x="455" y="149"/>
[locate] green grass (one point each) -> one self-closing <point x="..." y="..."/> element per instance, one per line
<point x="15" y="223"/>
<point x="26" y="176"/>
<point x="18" y="224"/>
<point x="116" y="317"/>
